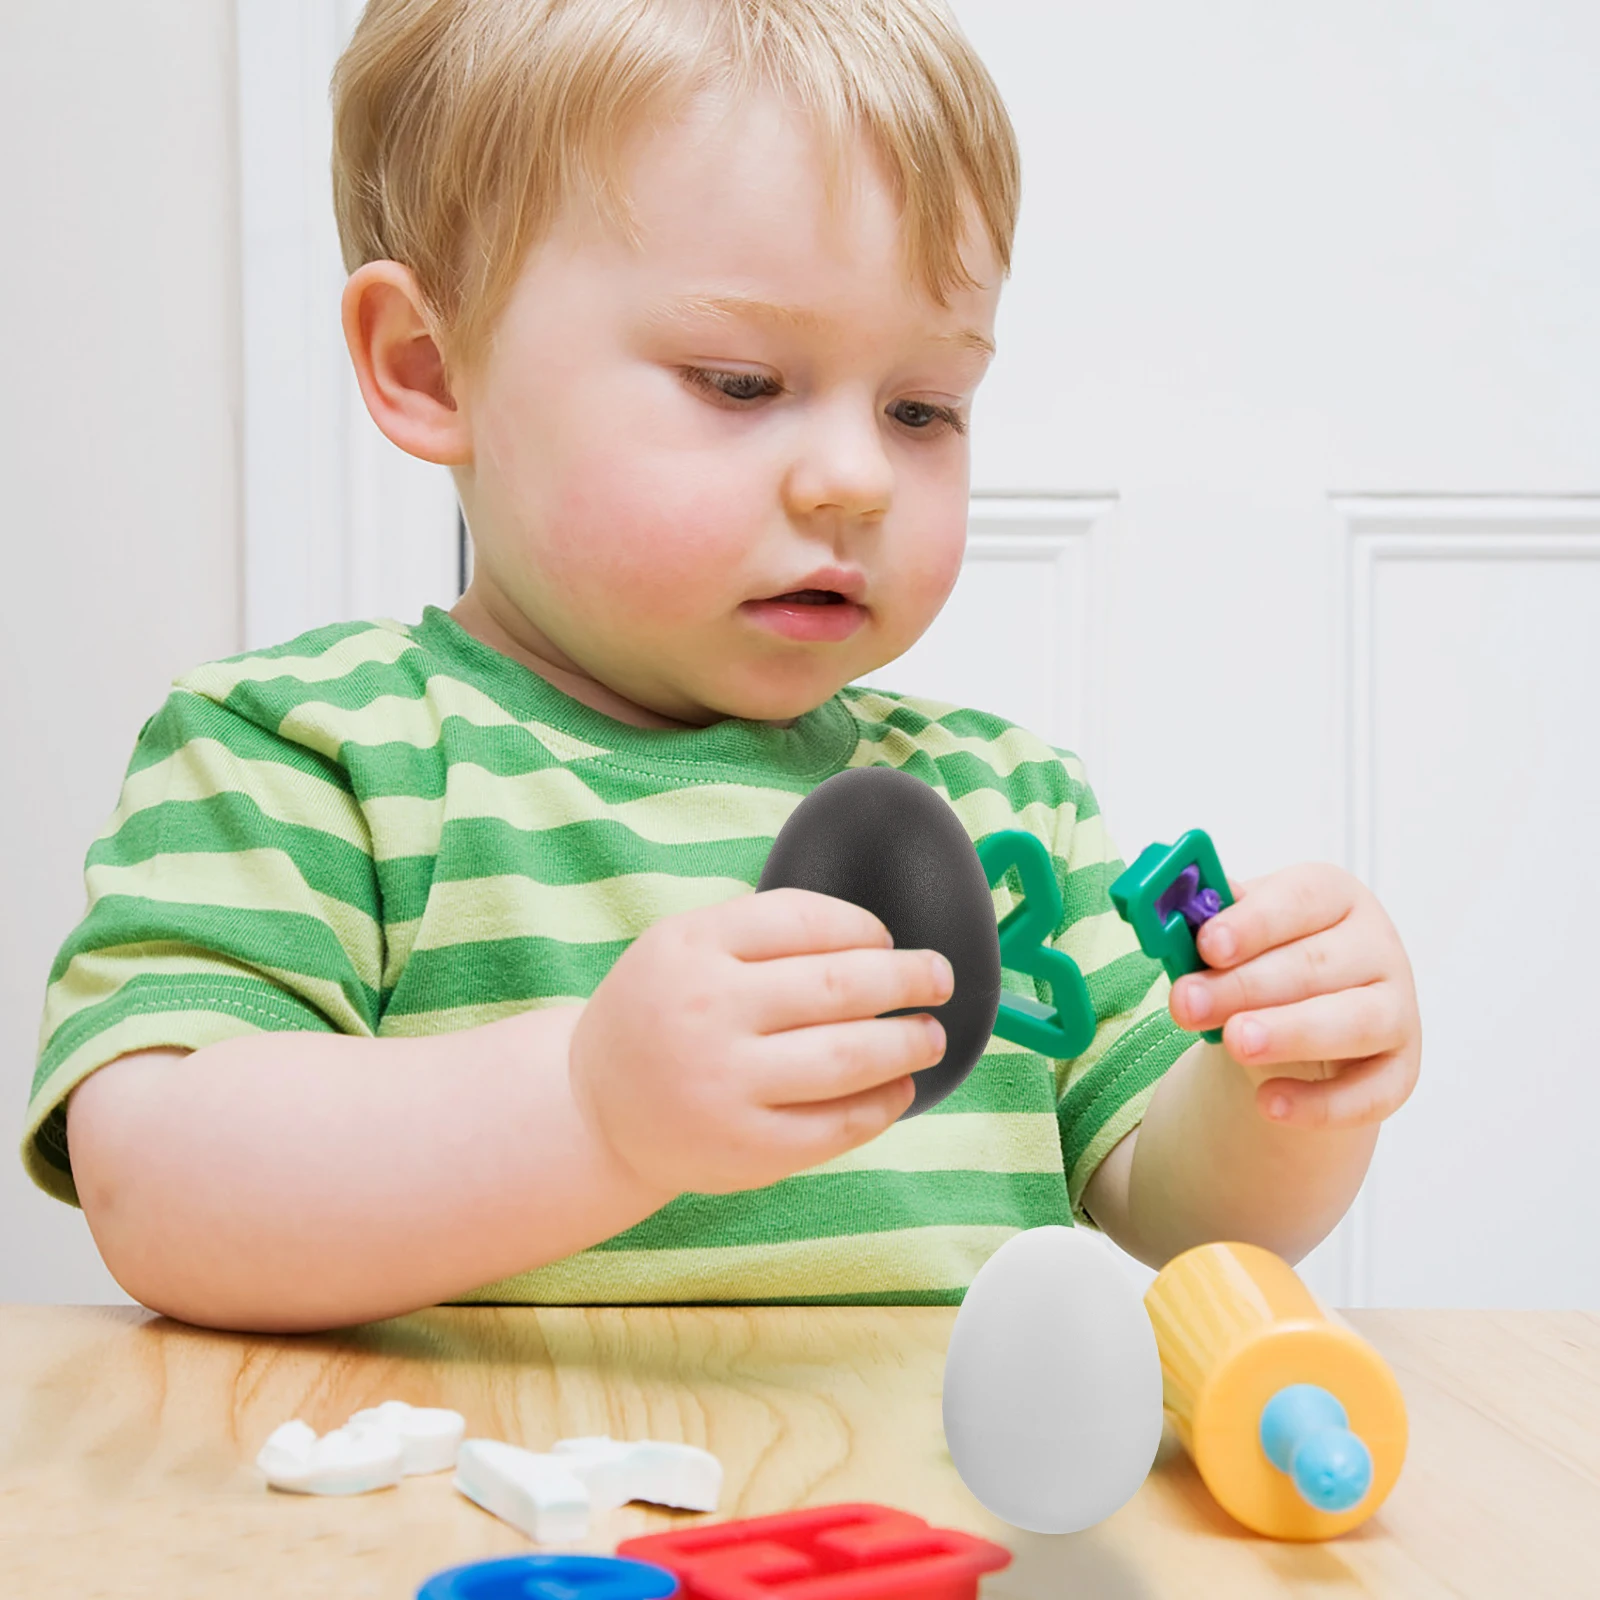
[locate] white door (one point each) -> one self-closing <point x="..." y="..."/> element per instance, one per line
<point x="339" y="523"/>
<point x="1288" y="512"/>
<point x="1306" y="303"/>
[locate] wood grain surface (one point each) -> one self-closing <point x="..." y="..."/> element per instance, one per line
<point x="127" y="1446"/>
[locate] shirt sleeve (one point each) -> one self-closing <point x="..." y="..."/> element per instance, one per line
<point x="1102" y="1094"/>
<point x="232" y="891"/>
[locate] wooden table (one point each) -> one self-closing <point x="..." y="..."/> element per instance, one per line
<point x="127" y="1445"/>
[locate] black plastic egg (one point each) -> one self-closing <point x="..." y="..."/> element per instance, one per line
<point x="890" y="843"/>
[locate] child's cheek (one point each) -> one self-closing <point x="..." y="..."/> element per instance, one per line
<point x="934" y="556"/>
<point x="662" y="544"/>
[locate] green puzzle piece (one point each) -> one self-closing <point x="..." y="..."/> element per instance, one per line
<point x="1066" y="1029"/>
<point x="1136" y="891"/>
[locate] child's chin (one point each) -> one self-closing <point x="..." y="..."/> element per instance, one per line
<point x="788" y="699"/>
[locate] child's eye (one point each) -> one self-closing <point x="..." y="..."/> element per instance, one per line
<point x="923" y="414"/>
<point x="917" y="415"/>
<point x="732" y="385"/>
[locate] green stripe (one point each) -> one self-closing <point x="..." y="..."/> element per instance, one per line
<point x="402" y="769"/>
<point x="289" y="940"/>
<point x="403" y="884"/>
<point x="899" y="719"/>
<point x="833" y="1205"/>
<point x="501" y="749"/>
<point x="588" y="852"/>
<point x="1003" y="1080"/>
<point x="225" y="823"/>
<point x="1028" y="783"/>
<point x="1084" y="893"/>
<point x="1120" y="985"/>
<point x="484" y="972"/>
<point x="186" y="717"/>
<point x="1144" y="1053"/>
<point x="270" y="700"/>
<point x="967" y="723"/>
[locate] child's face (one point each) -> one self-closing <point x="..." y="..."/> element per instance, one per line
<point x="648" y="472"/>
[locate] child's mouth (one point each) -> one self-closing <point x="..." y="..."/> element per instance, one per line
<point x="808" y="614"/>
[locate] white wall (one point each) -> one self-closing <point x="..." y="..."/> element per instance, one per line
<point x="119" y="421"/>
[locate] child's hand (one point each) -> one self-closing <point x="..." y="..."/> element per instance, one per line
<point x="737" y="1044"/>
<point x="1311" y="971"/>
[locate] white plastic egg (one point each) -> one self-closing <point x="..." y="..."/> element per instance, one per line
<point x="1052" y="1383"/>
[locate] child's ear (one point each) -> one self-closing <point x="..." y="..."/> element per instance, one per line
<point x="399" y="365"/>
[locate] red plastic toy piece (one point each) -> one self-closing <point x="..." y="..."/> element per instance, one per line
<point x="844" y="1552"/>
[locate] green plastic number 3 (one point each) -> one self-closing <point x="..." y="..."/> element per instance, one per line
<point x="1066" y="1029"/>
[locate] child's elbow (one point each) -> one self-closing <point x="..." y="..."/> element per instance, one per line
<point x="112" y="1166"/>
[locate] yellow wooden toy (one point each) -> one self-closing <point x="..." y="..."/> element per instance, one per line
<point x="1294" y="1421"/>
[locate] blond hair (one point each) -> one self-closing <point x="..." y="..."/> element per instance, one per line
<point x="462" y="127"/>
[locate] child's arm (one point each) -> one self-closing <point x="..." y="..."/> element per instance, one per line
<point x="287" y="1181"/>
<point x="1266" y="1138"/>
<point x="281" y="1182"/>
<point x="1204" y="1164"/>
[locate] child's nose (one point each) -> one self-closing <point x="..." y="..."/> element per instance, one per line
<point x="841" y="463"/>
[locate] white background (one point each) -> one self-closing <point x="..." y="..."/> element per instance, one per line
<point x="1288" y="510"/>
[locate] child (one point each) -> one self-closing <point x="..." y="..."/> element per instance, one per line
<point x="425" y="959"/>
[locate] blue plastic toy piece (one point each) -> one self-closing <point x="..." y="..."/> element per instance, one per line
<point x="1305" y="1433"/>
<point x="1166" y="895"/>
<point x="552" y="1578"/>
<point x="1065" y="1029"/>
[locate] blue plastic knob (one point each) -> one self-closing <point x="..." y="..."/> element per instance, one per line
<point x="1306" y="1434"/>
<point x="552" y="1578"/>
<point x="1332" y="1470"/>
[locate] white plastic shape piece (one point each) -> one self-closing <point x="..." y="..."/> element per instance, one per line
<point x="654" y="1470"/>
<point x="534" y="1493"/>
<point x="429" y="1436"/>
<point x="350" y="1460"/>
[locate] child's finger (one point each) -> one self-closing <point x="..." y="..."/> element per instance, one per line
<point x="1361" y="1092"/>
<point x="838" y="1060"/>
<point x="1287" y="905"/>
<point x="843" y="985"/>
<point x="1321" y="964"/>
<point x="1347" y="1026"/>
<point x="790" y="922"/>
<point x="812" y="1133"/>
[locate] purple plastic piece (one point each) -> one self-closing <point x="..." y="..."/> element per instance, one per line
<point x="1194" y="904"/>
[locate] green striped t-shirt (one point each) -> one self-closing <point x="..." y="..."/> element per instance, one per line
<point x="389" y="831"/>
